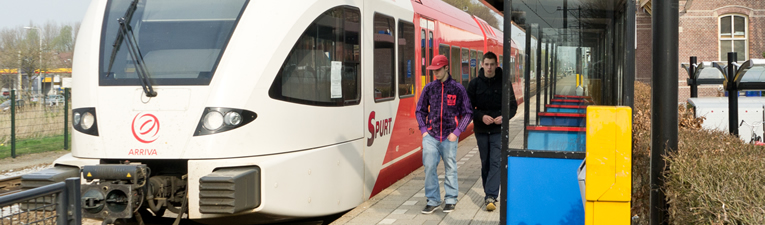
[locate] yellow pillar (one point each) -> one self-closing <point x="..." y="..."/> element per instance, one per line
<point x="608" y="182"/>
<point x="577" y="80"/>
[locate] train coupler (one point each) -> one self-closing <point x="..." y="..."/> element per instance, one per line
<point x="115" y="192"/>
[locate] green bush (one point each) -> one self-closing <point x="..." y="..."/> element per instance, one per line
<point x="713" y="177"/>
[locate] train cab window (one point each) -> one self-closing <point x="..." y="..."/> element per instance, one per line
<point x="473" y="65"/>
<point x="455" y="64"/>
<point x="160" y="35"/>
<point x="324" y="65"/>
<point x="384" y="55"/>
<point x="405" y="59"/>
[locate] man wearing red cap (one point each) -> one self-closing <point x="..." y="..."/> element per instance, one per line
<point x="443" y="113"/>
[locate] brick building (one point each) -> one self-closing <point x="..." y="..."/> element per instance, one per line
<point x="708" y="30"/>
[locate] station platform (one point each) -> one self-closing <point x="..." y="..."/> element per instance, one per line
<point x="402" y="202"/>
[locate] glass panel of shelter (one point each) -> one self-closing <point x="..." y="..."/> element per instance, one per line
<point x="572" y="42"/>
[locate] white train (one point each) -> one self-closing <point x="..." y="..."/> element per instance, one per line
<point x="243" y="111"/>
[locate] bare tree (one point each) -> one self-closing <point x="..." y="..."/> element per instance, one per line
<point x="64" y="41"/>
<point x="22" y="48"/>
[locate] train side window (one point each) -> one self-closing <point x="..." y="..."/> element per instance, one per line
<point x="473" y="66"/>
<point x="499" y="64"/>
<point x="444" y="50"/>
<point x="431" y="54"/>
<point x="423" y="53"/>
<point x="323" y="66"/>
<point x="405" y="59"/>
<point x="384" y="55"/>
<point x="455" y="64"/>
<point x="465" y="67"/>
<point x="478" y="54"/>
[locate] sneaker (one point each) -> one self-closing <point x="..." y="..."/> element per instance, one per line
<point x="429" y="209"/>
<point x="448" y="208"/>
<point x="490" y="204"/>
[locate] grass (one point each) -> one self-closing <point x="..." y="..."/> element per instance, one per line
<point x="36" y="145"/>
<point x="38" y="129"/>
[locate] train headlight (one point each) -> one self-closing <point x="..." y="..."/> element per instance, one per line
<point x="218" y="119"/>
<point x="232" y="118"/>
<point x="88" y="120"/>
<point x="213" y="120"/>
<point x="76" y="119"/>
<point x="84" y="120"/>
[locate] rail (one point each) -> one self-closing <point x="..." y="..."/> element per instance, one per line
<point x="57" y="203"/>
<point x="10" y="185"/>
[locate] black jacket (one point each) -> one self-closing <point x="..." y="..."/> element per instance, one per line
<point x="486" y="97"/>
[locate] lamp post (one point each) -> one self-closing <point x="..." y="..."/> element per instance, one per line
<point x="39" y="35"/>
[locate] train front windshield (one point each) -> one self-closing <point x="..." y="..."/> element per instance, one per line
<point x="179" y="42"/>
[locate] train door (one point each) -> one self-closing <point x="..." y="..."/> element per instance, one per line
<point x="381" y="87"/>
<point x="426" y="49"/>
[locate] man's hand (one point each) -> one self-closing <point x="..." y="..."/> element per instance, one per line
<point x="424" y="134"/>
<point x="452" y="137"/>
<point x="498" y="120"/>
<point x="487" y="120"/>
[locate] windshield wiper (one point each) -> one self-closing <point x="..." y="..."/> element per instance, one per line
<point x="125" y="34"/>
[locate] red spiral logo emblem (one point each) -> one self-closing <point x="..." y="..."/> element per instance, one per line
<point x="145" y="128"/>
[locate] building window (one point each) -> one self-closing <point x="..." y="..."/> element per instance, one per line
<point x="733" y="37"/>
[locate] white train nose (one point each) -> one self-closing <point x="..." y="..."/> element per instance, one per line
<point x="168" y="99"/>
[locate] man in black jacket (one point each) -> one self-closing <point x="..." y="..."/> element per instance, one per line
<point x="485" y="93"/>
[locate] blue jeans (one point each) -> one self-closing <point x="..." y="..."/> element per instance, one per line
<point x="489" y="148"/>
<point x="432" y="152"/>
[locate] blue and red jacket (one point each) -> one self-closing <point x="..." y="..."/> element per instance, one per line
<point x="443" y="108"/>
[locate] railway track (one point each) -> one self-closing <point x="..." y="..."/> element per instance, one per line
<point x="10" y="185"/>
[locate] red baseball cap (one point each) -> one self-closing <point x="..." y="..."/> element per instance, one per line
<point x="438" y="62"/>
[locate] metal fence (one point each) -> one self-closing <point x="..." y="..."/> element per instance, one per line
<point x="57" y="203"/>
<point x="33" y="124"/>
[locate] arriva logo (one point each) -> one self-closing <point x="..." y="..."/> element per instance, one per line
<point x="378" y="128"/>
<point x="145" y="128"/>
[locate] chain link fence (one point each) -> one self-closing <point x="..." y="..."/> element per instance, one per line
<point x="34" y="124"/>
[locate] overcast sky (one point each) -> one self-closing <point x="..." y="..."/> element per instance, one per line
<point x="15" y="13"/>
